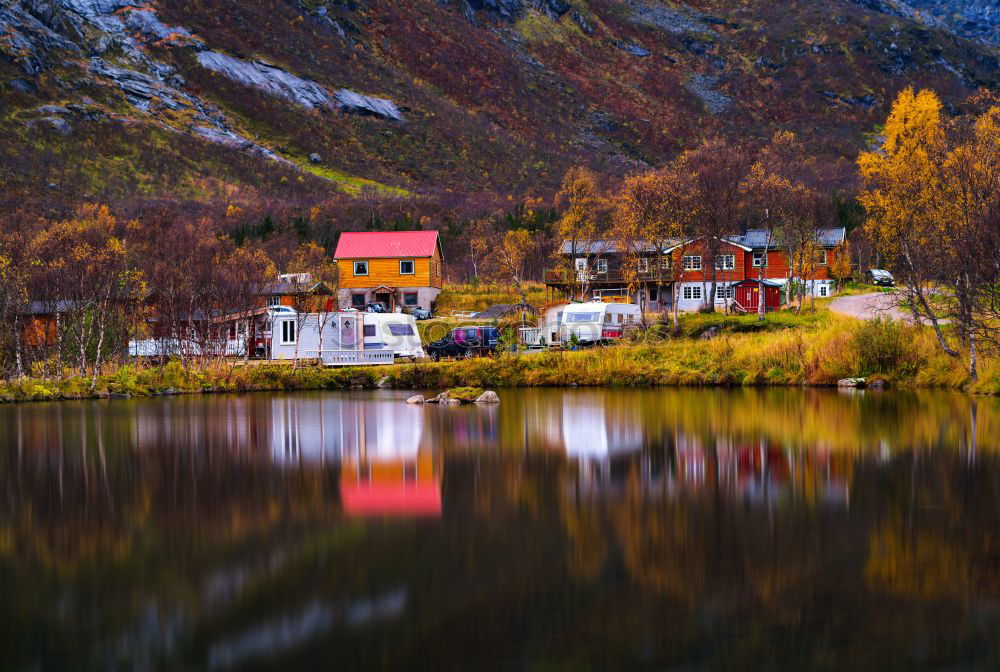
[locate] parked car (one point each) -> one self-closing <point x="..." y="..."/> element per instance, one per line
<point x="877" y="276"/>
<point x="375" y="308"/>
<point x="466" y="342"/>
<point x="420" y="314"/>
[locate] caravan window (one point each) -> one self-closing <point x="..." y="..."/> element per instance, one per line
<point x="369" y="331"/>
<point x="287" y="332"/>
<point x="583" y="317"/>
<point x="401" y="329"/>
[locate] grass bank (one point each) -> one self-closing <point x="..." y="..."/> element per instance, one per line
<point x="804" y="350"/>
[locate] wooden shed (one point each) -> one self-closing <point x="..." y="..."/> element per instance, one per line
<point x="747" y="295"/>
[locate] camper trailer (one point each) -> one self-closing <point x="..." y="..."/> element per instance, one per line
<point x="333" y="338"/>
<point x="596" y="322"/>
<point x="591" y="322"/>
<point x="392" y="331"/>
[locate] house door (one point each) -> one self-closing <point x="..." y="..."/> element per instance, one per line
<point x="386" y="299"/>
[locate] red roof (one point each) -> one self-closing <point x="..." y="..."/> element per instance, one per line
<point x="375" y="244"/>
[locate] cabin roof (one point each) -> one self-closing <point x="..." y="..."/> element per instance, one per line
<point x="386" y="244"/>
<point x="611" y="247"/>
<point x="758" y="238"/>
<point x="753" y="281"/>
<point x="286" y="288"/>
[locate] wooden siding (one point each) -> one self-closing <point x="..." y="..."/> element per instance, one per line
<point x="739" y="271"/>
<point x="427" y="273"/>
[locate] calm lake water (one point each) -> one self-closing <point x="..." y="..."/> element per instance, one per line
<point x="562" y="530"/>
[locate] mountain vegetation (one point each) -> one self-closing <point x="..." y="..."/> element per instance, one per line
<point x="334" y="114"/>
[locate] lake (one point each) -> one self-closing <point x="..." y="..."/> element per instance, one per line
<point x="562" y="530"/>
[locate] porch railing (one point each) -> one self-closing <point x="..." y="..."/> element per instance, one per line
<point x="564" y="277"/>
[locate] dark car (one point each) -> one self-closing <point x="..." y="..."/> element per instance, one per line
<point x="420" y="314"/>
<point x="877" y="276"/>
<point x="466" y="342"/>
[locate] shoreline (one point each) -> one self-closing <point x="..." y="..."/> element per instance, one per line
<point x="817" y="356"/>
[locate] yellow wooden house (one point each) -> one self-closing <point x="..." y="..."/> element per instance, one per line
<point x="399" y="269"/>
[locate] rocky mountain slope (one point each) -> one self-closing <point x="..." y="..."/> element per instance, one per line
<point x="466" y="103"/>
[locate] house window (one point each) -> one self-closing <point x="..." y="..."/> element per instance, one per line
<point x="273" y="301"/>
<point x="643" y="265"/>
<point x="358" y="300"/>
<point x="232" y="332"/>
<point x="602" y="265"/>
<point x="725" y="262"/>
<point x="654" y="293"/>
<point x="692" y="262"/>
<point x="406" y="267"/>
<point x="409" y="298"/>
<point x="759" y="259"/>
<point x="821" y="257"/>
<point x="725" y="292"/>
<point x="692" y="292"/>
<point x="824" y="290"/>
<point x="581" y="264"/>
<point x="360" y="268"/>
<point x="288" y="332"/>
<point x="369" y="331"/>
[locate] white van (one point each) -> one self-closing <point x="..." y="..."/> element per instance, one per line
<point x="596" y="321"/>
<point x="393" y="331"/>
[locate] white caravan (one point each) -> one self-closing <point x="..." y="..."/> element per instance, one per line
<point x="596" y="321"/>
<point x="393" y="331"/>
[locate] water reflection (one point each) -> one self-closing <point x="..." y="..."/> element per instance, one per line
<point x="574" y="529"/>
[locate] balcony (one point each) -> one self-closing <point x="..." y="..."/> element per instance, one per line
<point x="559" y="277"/>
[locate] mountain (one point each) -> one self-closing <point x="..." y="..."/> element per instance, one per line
<point x="975" y="19"/>
<point x="453" y="106"/>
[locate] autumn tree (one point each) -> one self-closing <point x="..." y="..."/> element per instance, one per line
<point x="930" y="194"/>
<point x="719" y="169"/>
<point x="508" y="260"/>
<point x="840" y="267"/>
<point x="583" y="227"/>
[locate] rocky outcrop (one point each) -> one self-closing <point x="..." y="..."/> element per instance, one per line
<point x="352" y="102"/>
<point x="267" y="78"/>
<point x="703" y="87"/>
<point x="671" y="20"/>
<point x="974" y="19"/>
<point x="512" y="10"/>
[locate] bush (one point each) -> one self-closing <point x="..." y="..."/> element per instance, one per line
<point x="880" y="345"/>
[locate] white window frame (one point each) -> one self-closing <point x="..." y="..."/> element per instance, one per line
<point x="824" y="291"/>
<point x="821" y="257"/>
<point x="356" y="263"/>
<point x="723" y="292"/>
<point x="692" y="293"/>
<point x="273" y="301"/>
<point x="602" y="265"/>
<point x="692" y="262"/>
<point x="581" y="264"/>
<point x="413" y="267"/>
<point x="760" y="259"/>
<point x="642" y="264"/>
<point x="725" y="262"/>
<point x="288" y="327"/>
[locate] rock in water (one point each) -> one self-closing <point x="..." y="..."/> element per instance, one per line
<point x="488" y="397"/>
<point x="416" y="399"/>
<point x="851" y="382"/>
<point x="355" y="103"/>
